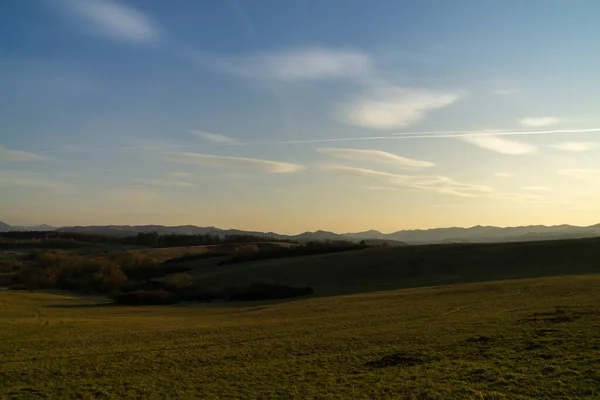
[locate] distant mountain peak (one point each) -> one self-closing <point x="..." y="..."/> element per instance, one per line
<point x="477" y="233"/>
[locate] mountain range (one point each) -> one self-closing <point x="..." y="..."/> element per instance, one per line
<point x="417" y="236"/>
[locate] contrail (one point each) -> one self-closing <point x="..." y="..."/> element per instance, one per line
<point x="432" y="135"/>
<point x="393" y="136"/>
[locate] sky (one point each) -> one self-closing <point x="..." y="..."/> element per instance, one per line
<point x="288" y="116"/>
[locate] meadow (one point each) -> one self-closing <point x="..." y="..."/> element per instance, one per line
<point x="463" y="321"/>
<point x="524" y="338"/>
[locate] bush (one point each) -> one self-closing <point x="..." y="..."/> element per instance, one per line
<point x="195" y="256"/>
<point x="108" y="278"/>
<point x="9" y="266"/>
<point x="146" y="297"/>
<point x="32" y="278"/>
<point x="65" y="271"/>
<point x="130" y="260"/>
<point x="179" y="281"/>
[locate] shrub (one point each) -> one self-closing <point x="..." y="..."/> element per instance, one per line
<point x="130" y="260"/>
<point x="179" y="281"/>
<point x="9" y="266"/>
<point x="195" y="256"/>
<point x="65" y="271"/>
<point x="33" y="278"/>
<point x="108" y="278"/>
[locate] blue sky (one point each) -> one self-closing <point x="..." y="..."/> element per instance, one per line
<point x="299" y="115"/>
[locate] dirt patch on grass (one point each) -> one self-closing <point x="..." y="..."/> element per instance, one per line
<point x="559" y="315"/>
<point x="402" y="359"/>
<point x="479" y="339"/>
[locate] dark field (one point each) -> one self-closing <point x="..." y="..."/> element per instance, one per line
<point x="411" y="266"/>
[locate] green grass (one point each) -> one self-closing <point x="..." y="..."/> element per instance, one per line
<point x="534" y="339"/>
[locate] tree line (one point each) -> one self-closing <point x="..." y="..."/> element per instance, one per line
<point x="149" y="239"/>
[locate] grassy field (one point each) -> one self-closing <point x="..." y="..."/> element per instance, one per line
<point x="535" y="338"/>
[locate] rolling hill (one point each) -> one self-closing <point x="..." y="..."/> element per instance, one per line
<point x="401" y="267"/>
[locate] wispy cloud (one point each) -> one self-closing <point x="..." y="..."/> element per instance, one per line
<point x="11" y="178"/>
<point x="183" y="174"/>
<point x="539" y="122"/>
<point x="210" y="160"/>
<point x="393" y="107"/>
<point x="422" y="135"/>
<point x="500" y="145"/>
<point x="381" y="188"/>
<point x="503" y="174"/>
<point x="214" y="137"/>
<point x="374" y="156"/>
<point x="162" y="182"/>
<point x="307" y="63"/>
<point x="114" y="20"/>
<point x="436" y="184"/>
<point x="574" y="146"/>
<point x="19" y="156"/>
<point x="427" y="135"/>
<point x="360" y="172"/>
<point x="139" y="196"/>
<point x="439" y="184"/>
<point x="585" y="174"/>
<point x="525" y="197"/>
<point x="537" y="188"/>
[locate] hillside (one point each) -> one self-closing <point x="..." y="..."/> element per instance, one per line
<point x="412" y="266"/>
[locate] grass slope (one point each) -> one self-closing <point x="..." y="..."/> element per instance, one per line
<point x="412" y="266"/>
<point x="529" y="339"/>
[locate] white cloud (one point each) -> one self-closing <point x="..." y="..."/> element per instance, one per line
<point x="503" y="174"/>
<point x="213" y="137"/>
<point x="537" y="188"/>
<point x="114" y="20"/>
<point x="439" y="184"/>
<point x="574" y="146"/>
<point x="210" y="160"/>
<point x="182" y="174"/>
<point x="308" y="63"/>
<point x="374" y="156"/>
<point x="538" y="122"/>
<point x="162" y="182"/>
<point x="587" y="174"/>
<point x="18" y="156"/>
<point x="393" y="107"/>
<point x="11" y="178"/>
<point x="500" y="145"/>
